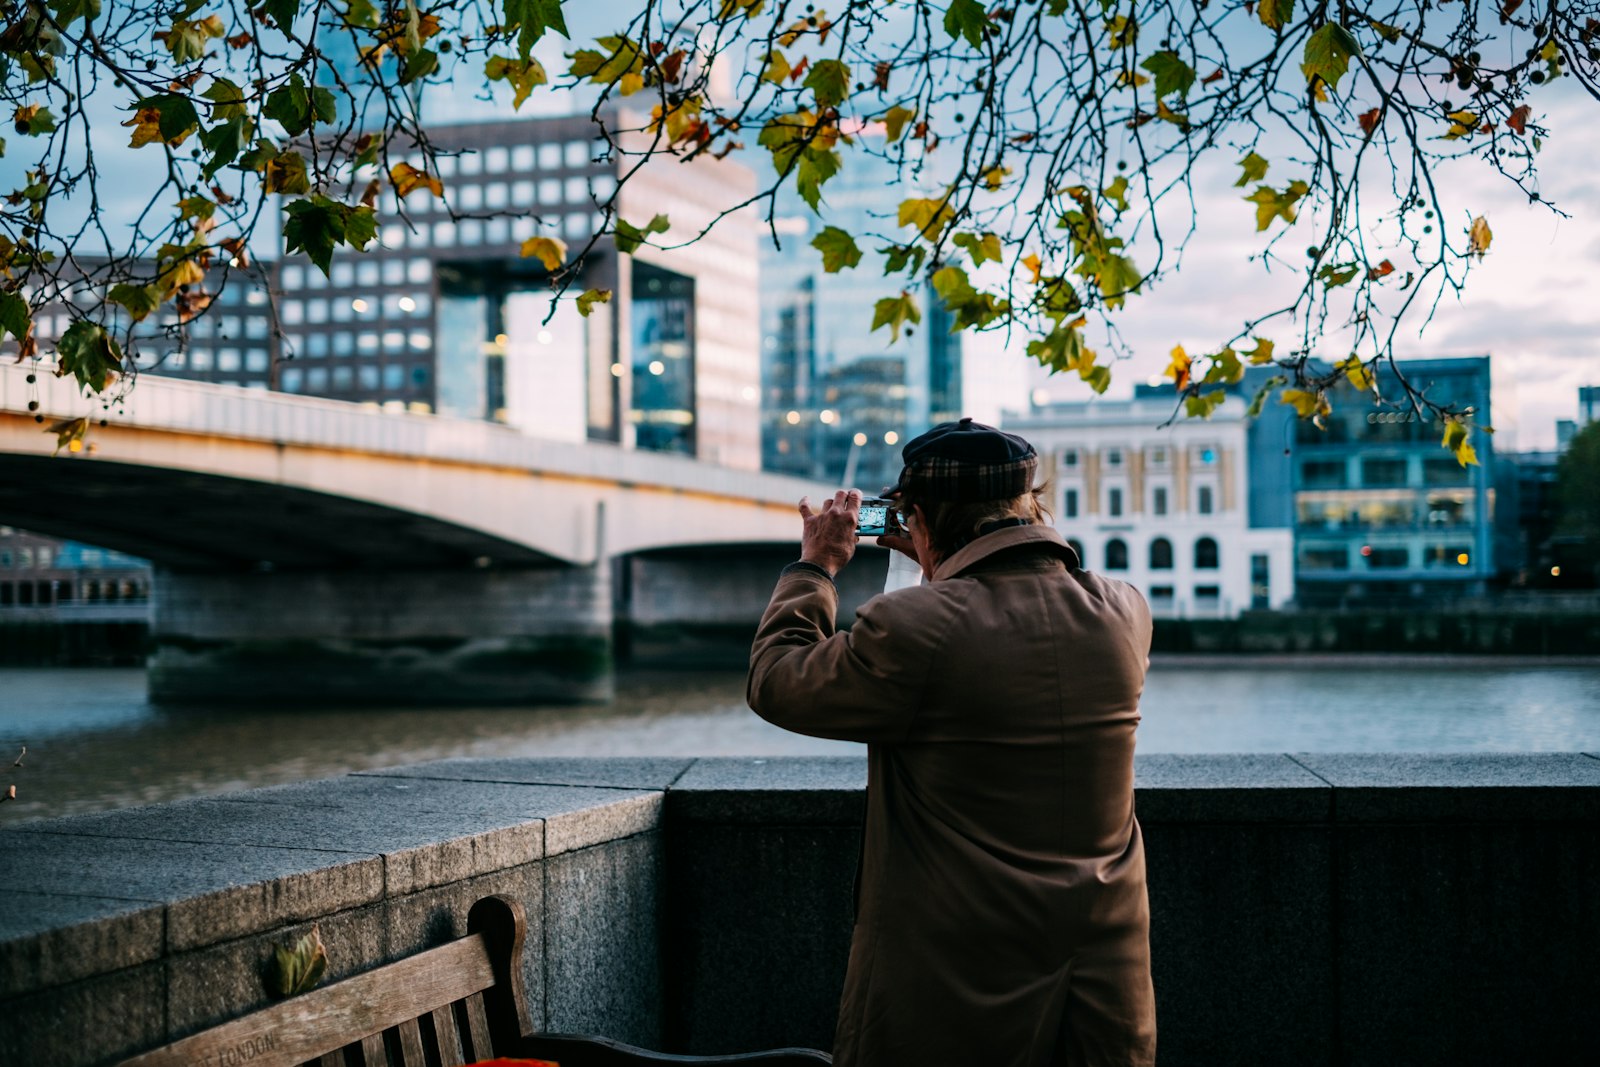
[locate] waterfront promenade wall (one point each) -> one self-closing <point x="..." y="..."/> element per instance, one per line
<point x="1373" y="909"/>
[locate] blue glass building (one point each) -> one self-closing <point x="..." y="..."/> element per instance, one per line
<point x="1381" y="511"/>
<point x="838" y="400"/>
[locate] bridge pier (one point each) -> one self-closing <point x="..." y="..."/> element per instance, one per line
<point x="490" y="636"/>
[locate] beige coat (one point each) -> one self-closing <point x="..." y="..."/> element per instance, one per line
<point x="1002" y="917"/>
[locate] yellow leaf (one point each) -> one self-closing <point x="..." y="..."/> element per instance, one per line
<point x="1261" y="353"/>
<point x="407" y="179"/>
<point x="146" y="124"/>
<point x="1034" y="264"/>
<point x="994" y="176"/>
<point x="1178" y="369"/>
<point x="547" y="250"/>
<point x="588" y="299"/>
<point x="629" y="84"/>
<point x="1479" y="236"/>
<point x="1455" y="439"/>
<point x="1304" y="402"/>
<point x="1358" y="374"/>
<point x="929" y="216"/>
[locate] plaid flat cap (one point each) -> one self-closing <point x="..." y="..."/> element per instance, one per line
<point x="966" y="462"/>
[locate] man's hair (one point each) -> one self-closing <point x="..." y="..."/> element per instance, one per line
<point x="951" y="525"/>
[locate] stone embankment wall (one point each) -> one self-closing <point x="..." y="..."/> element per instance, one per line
<point x="1306" y="910"/>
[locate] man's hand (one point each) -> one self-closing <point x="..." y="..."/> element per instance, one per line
<point x="829" y="536"/>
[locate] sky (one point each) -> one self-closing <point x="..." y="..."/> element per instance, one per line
<point x="1532" y="304"/>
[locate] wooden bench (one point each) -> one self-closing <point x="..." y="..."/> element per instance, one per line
<point x="453" y="1005"/>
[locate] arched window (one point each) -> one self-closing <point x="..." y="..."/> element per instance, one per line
<point x="1161" y="554"/>
<point x="1205" y="554"/>
<point x="1083" y="560"/>
<point x="1116" y="554"/>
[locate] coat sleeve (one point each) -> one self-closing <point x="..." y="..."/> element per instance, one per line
<point x="861" y="685"/>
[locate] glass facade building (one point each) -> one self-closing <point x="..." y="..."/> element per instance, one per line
<point x="1381" y="511"/>
<point x="838" y="399"/>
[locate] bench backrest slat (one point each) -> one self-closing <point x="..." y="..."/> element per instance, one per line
<point x="449" y="1005"/>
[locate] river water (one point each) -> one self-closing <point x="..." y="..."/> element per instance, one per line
<point x="95" y="742"/>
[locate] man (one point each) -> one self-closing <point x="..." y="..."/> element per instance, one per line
<point x="1001" y="912"/>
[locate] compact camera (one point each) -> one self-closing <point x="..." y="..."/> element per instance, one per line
<point x="876" y="518"/>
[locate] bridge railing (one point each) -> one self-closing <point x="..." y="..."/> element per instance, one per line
<point x="207" y="409"/>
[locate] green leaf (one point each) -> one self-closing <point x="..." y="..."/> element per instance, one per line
<point x="67" y="12"/>
<point x="903" y="258"/>
<point x="317" y="225"/>
<point x="829" y="80"/>
<point x="1260" y="399"/>
<point x="929" y="216"/>
<point x="1271" y="204"/>
<point x="1117" y="277"/>
<point x="1201" y="405"/>
<point x="90" y="354"/>
<point x="286" y="173"/>
<point x="224" y="142"/>
<point x="894" y="122"/>
<point x="1275" y="14"/>
<point x="1172" y="74"/>
<point x="969" y="307"/>
<point x="419" y="64"/>
<point x="838" y="249"/>
<point x="282" y="12"/>
<point x="228" y="98"/>
<point x="965" y="19"/>
<point x="894" y="312"/>
<point x="290" y="105"/>
<point x="300" y="968"/>
<point x="981" y="247"/>
<point x="33" y="119"/>
<point x="530" y="19"/>
<point x="1328" y="53"/>
<point x="258" y="157"/>
<point x="590" y="298"/>
<point x="524" y="76"/>
<point x="14" y="316"/>
<point x="776" y="69"/>
<point x="1334" y="275"/>
<point x="1255" y="168"/>
<point x="139" y="300"/>
<point x="629" y="237"/>
<point x="816" y="167"/>
<point x="1117" y="193"/>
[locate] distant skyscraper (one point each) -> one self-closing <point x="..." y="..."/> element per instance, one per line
<point x="837" y="398"/>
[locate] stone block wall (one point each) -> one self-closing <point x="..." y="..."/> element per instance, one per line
<point x="1305" y="909"/>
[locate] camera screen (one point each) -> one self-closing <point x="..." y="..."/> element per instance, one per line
<point x="873" y="517"/>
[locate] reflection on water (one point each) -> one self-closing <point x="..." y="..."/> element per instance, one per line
<point x="94" y="742"/>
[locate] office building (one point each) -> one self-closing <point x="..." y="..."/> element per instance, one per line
<point x="1165" y="507"/>
<point x="839" y="399"/>
<point x="44" y="572"/>
<point x="444" y="314"/>
<point x="1382" y="513"/>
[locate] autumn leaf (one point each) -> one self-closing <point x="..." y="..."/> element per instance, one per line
<point x="1334" y="275"/>
<point x="1274" y="14"/>
<point x="138" y="300"/>
<point x="588" y="299"/>
<point x="994" y="177"/>
<point x="1178" y="369"/>
<point x="69" y="435"/>
<point x="838" y="248"/>
<point x="300" y="968"/>
<point x="1369" y="120"/>
<point x="550" y="251"/>
<point x="30" y="120"/>
<point x="1306" y="403"/>
<point x="1117" y="193"/>
<point x="14" y="316"/>
<point x="1358" y="373"/>
<point x="1261" y="354"/>
<point x="776" y="69"/>
<point x="829" y="81"/>
<point x="1122" y="31"/>
<point x="1254" y="169"/>
<point x="929" y="216"/>
<point x="90" y="354"/>
<point x="894" y="122"/>
<point x="286" y="173"/>
<point x="1517" y="121"/>
<point x="629" y="237"/>
<point x="894" y="312"/>
<point x="1201" y="405"/>
<point x="1034" y="265"/>
<point x="981" y="247"/>
<point x="1455" y="439"/>
<point x="1328" y="53"/>
<point x="1382" y="270"/>
<point x="1271" y="204"/>
<point x="1479" y="236"/>
<point x="408" y="179"/>
<point x="524" y="75"/>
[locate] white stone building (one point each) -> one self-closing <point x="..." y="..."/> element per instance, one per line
<point x="1164" y="507"/>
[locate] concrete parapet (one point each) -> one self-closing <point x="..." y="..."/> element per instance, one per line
<point x="383" y="636"/>
<point x="1371" y="909"/>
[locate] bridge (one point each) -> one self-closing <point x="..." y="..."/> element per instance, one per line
<point x="327" y="550"/>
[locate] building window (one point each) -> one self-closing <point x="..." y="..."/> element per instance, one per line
<point x="293" y="278"/>
<point x="1205" y="554"/>
<point x="446" y="165"/>
<point x="1203" y="501"/>
<point x="1069" y="458"/>
<point x="470" y="163"/>
<point x="394" y="340"/>
<point x="343" y="344"/>
<point x="228" y="359"/>
<point x="522" y="193"/>
<point x="495" y="160"/>
<point x="1114" y="502"/>
<point x="367" y="375"/>
<point x="1161" y="554"/>
<point x="1158" y="457"/>
<point x="289" y="380"/>
<point x="1207" y="593"/>
<point x="367" y="343"/>
<point x="1383" y="472"/>
<point x="522" y="157"/>
<point x="1158" y="500"/>
<point x="419" y="376"/>
<point x="1324" y="473"/>
<point x="256" y="360"/>
<point x="342" y="376"/>
<point x="1324" y="558"/>
<point x="420" y="341"/>
<point x="496" y="195"/>
<point x="394" y="272"/>
<point x="1077" y="547"/>
<point x="578" y="154"/>
<point x="471" y="197"/>
<point x="394" y="376"/>
<point x="497" y="231"/>
<point x="1260" y="581"/>
<point x="293" y="314"/>
<point x="549" y="192"/>
<point x="471" y="232"/>
<point x="1113" y="457"/>
<point x="1116" y="554"/>
<point x="602" y="187"/>
<point x="316" y="379"/>
<point x="1161" y="592"/>
<point x="344" y="273"/>
<point x="419" y="271"/>
<point x="549" y="157"/>
<point x="444" y="233"/>
<point x="317" y="345"/>
<point x="1069" y="504"/>
<point x="1395" y="557"/>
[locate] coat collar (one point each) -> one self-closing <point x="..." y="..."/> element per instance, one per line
<point x="1001" y="540"/>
